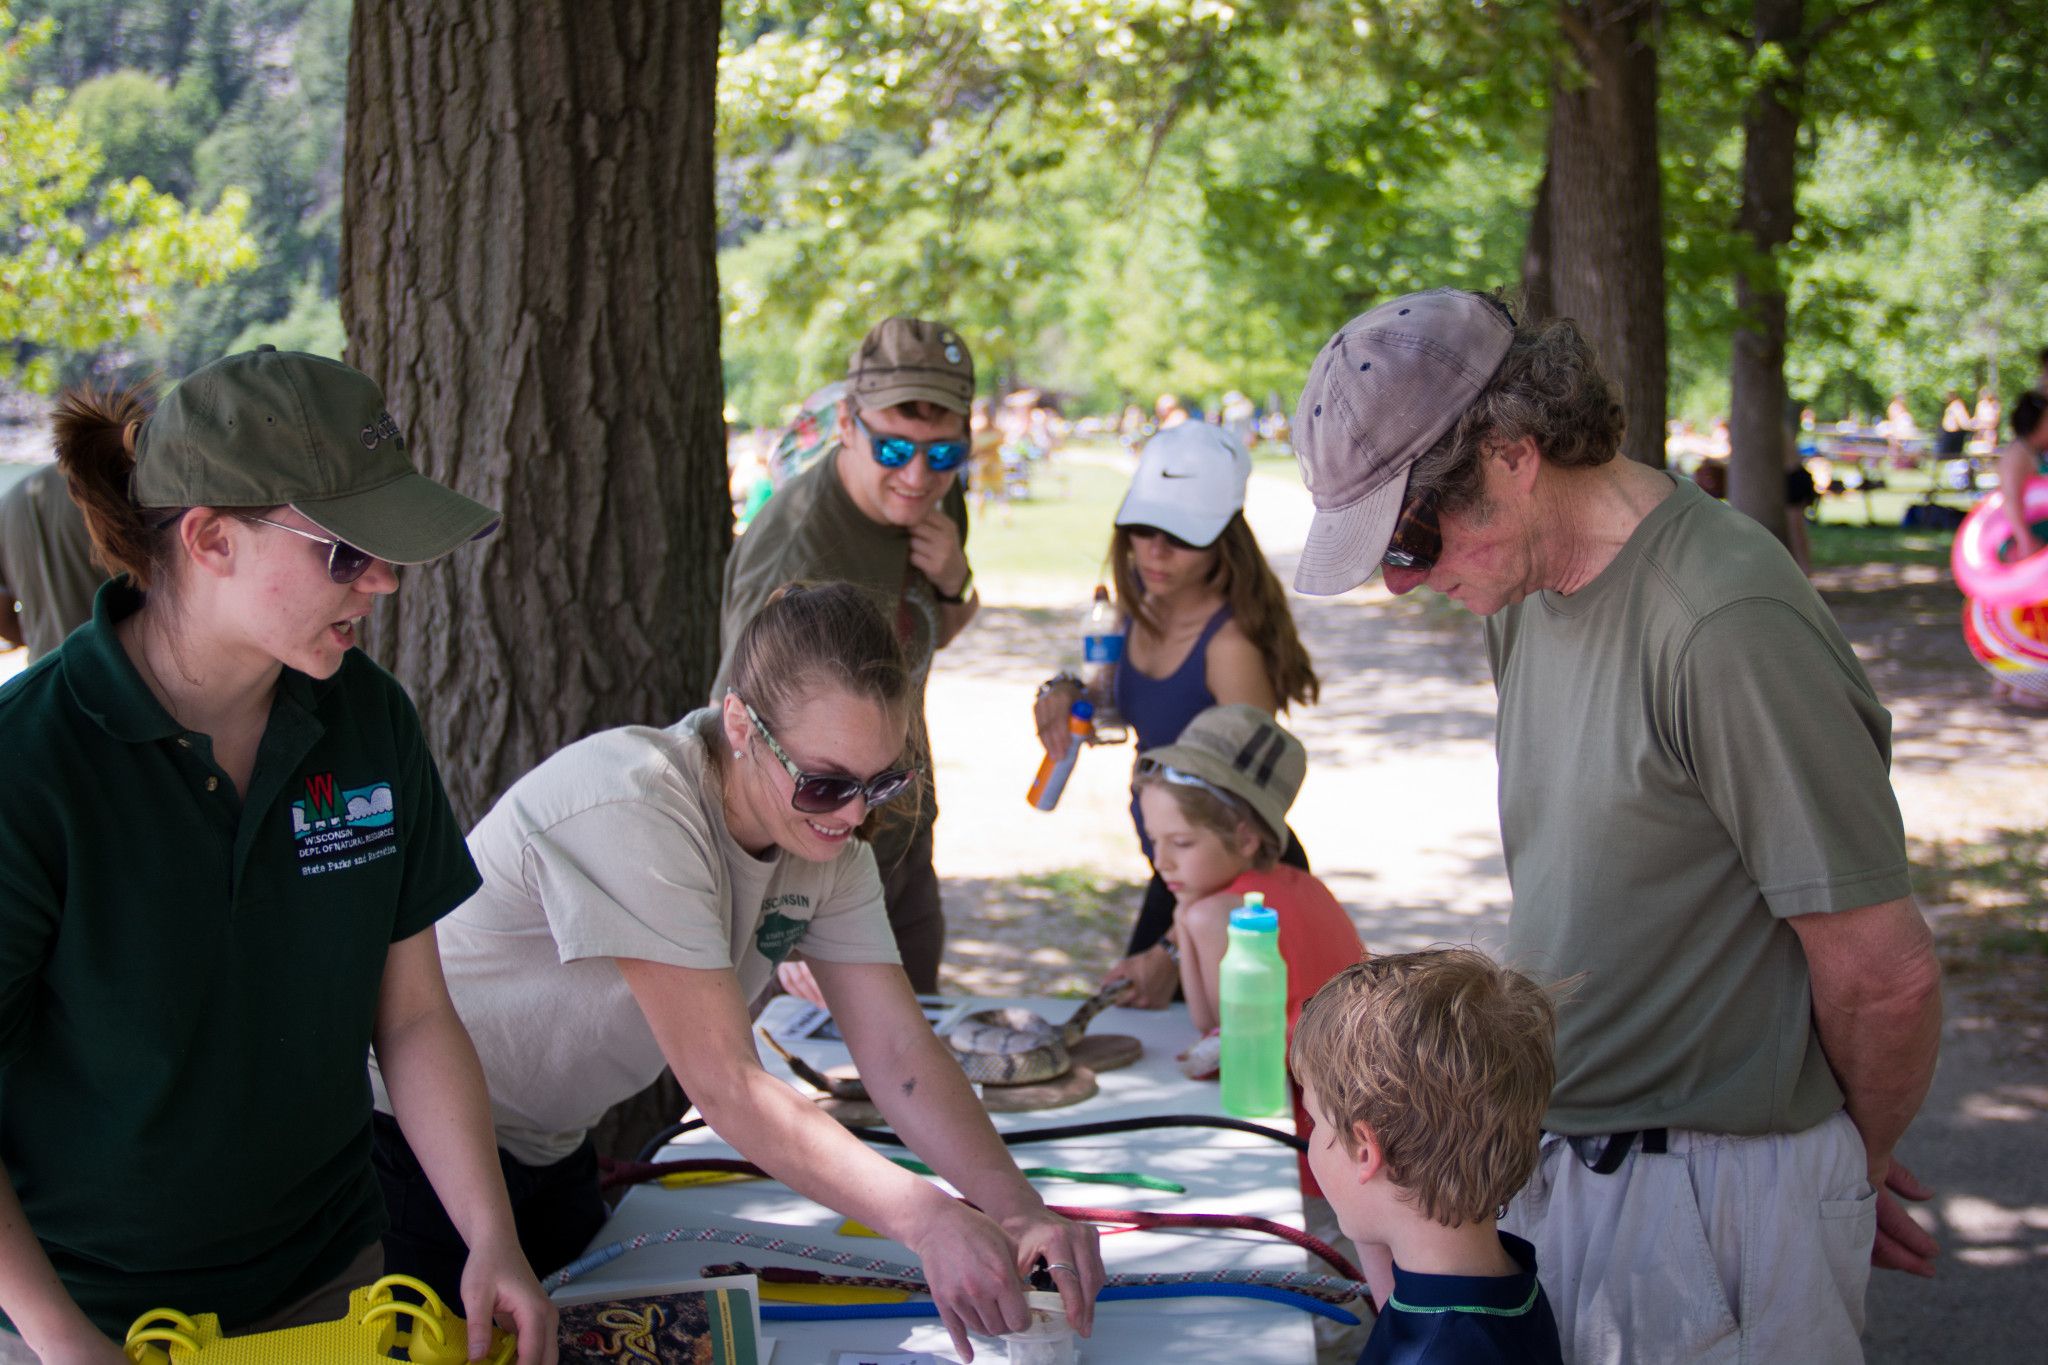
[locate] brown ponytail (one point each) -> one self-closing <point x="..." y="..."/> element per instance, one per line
<point x="812" y="633"/>
<point x="95" y="451"/>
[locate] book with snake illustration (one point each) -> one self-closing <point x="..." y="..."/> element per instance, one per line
<point x="706" y="1324"/>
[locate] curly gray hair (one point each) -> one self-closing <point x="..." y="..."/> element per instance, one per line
<point x="1549" y="388"/>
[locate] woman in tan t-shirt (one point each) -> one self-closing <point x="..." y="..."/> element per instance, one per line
<point x="644" y="882"/>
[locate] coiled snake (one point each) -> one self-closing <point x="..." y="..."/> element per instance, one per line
<point x="1016" y="1047"/>
<point x="1001" y="1047"/>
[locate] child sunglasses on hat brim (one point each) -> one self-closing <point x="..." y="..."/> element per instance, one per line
<point x="894" y="452"/>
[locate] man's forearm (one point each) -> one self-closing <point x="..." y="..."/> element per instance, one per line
<point x="954" y="616"/>
<point x="1882" y="1045"/>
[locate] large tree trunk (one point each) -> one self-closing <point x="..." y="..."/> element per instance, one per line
<point x="527" y="267"/>
<point x="1606" y="214"/>
<point x="1757" y="428"/>
<point x="1538" y="292"/>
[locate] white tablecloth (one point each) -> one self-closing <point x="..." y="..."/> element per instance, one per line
<point x="1224" y="1173"/>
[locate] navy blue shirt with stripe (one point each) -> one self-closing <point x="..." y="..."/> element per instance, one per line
<point x="1467" y="1319"/>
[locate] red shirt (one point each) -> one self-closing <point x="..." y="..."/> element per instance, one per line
<point x="1317" y="941"/>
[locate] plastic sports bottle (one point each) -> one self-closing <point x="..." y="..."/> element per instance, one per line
<point x="1253" y="992"/>
<point x="1052" y="772"/>
<point x="1102" y="646"/>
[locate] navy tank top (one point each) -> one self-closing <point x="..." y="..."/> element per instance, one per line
<point x="1158" y="709"/>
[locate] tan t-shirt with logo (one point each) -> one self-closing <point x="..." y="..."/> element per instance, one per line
<point x="617" y="847"/>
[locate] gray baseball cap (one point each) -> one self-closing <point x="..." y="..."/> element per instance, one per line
<point x="910" y="360"/>
<point x="1384" y="390"/>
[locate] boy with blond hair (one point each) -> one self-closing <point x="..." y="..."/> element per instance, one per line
<point x="1426" y="1076"/>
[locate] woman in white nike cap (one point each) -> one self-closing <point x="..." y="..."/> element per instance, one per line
<point x="1207" y="624"/>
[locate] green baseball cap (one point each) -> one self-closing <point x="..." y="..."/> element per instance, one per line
<point x="270" y="428"/>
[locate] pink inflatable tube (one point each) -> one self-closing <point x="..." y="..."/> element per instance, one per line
<point x="1984" y="535"/>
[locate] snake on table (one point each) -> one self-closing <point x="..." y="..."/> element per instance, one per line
<point x="1010" y="1046"/>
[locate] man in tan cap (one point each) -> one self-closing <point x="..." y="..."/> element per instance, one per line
<point x="1699" y="825"/>
<point x="884" y="510"/>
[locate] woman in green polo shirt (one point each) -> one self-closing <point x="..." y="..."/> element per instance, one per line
<point x="640" y="887"/>
<point x="222" y="853"/>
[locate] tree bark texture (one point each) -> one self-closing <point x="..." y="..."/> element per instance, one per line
<point x="1603" y="189"/>
<point x="1538" y="296"/>
<point x="1757" y="429"/>
<point x="528" y="268"/>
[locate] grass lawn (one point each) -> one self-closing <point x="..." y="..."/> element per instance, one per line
<point x="1053" y="537"/>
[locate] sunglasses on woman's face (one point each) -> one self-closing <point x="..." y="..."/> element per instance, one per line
<point x="345" y="563"/>
<point x="1418" y="541"/>
<point x="894" y="452"/>
<point x="1148" y="532"/>
<point x="823" y="793"/>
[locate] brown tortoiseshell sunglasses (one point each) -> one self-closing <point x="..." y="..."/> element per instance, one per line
<point x="1417" y="542"/>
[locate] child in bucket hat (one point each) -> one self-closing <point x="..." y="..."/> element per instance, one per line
<point x="1215" y="802"/>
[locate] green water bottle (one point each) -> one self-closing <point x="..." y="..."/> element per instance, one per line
<point x="1253" y="991"/>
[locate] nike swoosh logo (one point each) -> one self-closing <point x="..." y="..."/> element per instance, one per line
<point x="1169" y="474"/>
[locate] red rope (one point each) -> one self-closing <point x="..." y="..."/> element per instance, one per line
<point x="617" y="1173"/>
<point x="1136" y="1218"/>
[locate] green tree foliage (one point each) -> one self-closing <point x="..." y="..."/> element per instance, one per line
<point x="80" y="270"/>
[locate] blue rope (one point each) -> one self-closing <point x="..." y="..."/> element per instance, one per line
<point x="1112" y="1294"/>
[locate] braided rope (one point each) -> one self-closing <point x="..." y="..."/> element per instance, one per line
<point x="1330" y="1288"/>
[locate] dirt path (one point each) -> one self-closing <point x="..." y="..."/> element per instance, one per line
<point x="1399" y="816"/>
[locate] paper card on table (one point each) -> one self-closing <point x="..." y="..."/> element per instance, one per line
<point x="717" y="1322"/>
<point x="886" y="1358"/>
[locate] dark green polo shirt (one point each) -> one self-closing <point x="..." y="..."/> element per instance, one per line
<point x="188" y="979"/>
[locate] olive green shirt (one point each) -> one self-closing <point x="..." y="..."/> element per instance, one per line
<point x="812" y="530"/>
<point x="1690" y="755"/>
<point x="188" y="979"/>
<point x="46" y="560"/>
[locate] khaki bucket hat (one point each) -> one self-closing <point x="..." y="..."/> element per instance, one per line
<point x="1241" y="751"/>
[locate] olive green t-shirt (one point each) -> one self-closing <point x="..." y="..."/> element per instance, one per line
<point x="46" y="560"/>
<point x="188" y="978"/>
<point x="1690" y="755"/>
<point x="812" y="530"/>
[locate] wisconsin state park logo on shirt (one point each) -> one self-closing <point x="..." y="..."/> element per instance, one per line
<point x="779" y="932"/>
<point x="340" y="827"/>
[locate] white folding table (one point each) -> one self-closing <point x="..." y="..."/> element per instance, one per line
<point x="1225" y="1172"/>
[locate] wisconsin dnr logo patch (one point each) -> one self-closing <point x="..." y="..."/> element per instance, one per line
<point x="340" y="828"/>
<point x="778" y="934"/>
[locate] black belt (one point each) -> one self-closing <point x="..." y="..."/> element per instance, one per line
<point x="1603" y="1153"/>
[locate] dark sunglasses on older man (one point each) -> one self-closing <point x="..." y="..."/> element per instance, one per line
<point x="894" y="452"/>
<point x="823" y="793"/>
<point x="1417" y="542"/>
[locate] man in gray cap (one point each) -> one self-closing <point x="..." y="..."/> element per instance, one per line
<point x="883" y="511"/>
<point x="1700" y="834"/>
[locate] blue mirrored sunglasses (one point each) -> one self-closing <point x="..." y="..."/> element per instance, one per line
<point x="894" y="452"/>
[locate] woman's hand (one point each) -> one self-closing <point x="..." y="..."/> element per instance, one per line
<point x="1050" y="712"/>
<point x="972" y="1269"/>
<point x="1072" y="1253"/>
<point x="497" y="1283"/>
<point x="1153" y="977"/>
<point x="796" y="978"/>
<point x="83" y="1346"/>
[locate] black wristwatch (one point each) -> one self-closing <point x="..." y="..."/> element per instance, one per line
<point x="966" y="590"/>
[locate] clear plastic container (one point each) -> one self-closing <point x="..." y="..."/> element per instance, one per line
<point x="1050" y="1338"/>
